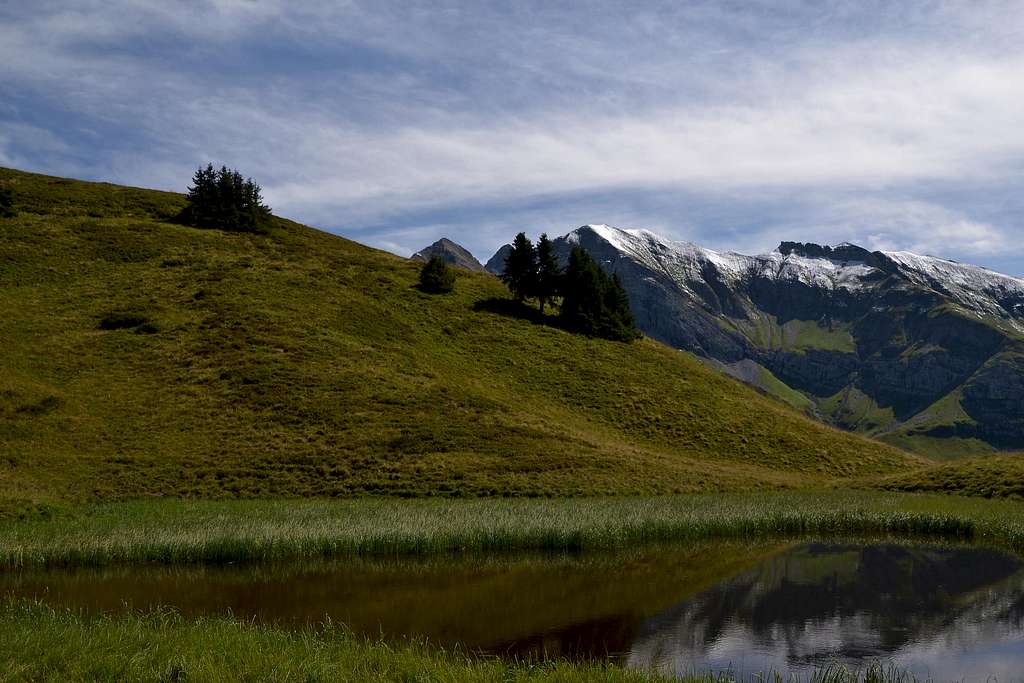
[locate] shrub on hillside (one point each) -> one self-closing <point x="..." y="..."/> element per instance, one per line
<point x="436" y="277"/>
<point x="225" y="200"/>
<point x="6" y="203"/>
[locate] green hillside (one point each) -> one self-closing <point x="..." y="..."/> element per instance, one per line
<point x="145" y="358"/>
<point x="990" y="476"/>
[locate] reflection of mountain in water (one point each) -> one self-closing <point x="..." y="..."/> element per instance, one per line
<point x="822" y="603"/>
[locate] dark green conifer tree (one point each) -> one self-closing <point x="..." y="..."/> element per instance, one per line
<point x="581" y="287"/>
<point x="618" y="321"/>
<point x="436" y="277"/>
<point x="202" y="197"/>
<point x="520" y="274"/>
<point x="549" y="274"/>
<point x="593" y="303"/>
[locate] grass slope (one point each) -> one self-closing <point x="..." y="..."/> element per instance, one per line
<point x="144" y="358"/>
<point x="989" y="476"/>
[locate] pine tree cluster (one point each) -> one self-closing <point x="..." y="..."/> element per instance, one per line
<point x="592" y="303"/>
<point x="225" y="200"/>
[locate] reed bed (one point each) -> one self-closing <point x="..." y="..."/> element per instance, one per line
<point x="177" y="531"/>
<point x="41" y="644"/>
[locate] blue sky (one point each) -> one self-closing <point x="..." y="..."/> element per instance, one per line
<point x="895" y="125"/>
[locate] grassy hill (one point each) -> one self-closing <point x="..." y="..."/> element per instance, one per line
<point x="145" y="358"/>
<point x="989" y="476"/>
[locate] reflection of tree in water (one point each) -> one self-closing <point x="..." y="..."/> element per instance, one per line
<point x="821" y="602"/>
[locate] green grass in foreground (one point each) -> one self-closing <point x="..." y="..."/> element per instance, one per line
<point x="41" y="644"/>
<point x="221" y="531"/>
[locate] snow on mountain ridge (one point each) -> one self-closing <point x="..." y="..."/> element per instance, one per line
<point x="963" y="275"/>
<point x="681" y="262"/>
<point x="983" y="291"/>
<point x="978" y="289"/>
<point x="662" y="254"/>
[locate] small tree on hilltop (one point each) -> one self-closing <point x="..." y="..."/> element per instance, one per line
<point x="436" y="277"/>
<point x="549" y="275"/>
<point x="7" y="203"/>
<point x="593" y="303"/>
<point x="225" y="200"/>
<point x="520" y="272"/>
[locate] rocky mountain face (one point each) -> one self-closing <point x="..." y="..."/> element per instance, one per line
<point x="496" y="264"/>
<point x="918" y="351"/>
<point x="453" y="254"/>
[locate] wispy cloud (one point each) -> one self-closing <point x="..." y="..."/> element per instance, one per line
<point x="944" y="121"/>
<point x="897" y="124"/>
<point x="919" y="227"/>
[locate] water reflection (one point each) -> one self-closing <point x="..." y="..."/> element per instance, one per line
<point x="948" y="612"/>
<point x="954" y="613"/>
<point x="541" y="606"/>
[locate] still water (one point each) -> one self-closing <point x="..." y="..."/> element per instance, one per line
<point x="950" y="612"/>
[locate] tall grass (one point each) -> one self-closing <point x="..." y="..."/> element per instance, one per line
<point x="174" y="531"/>
<point x="39" y="643"/>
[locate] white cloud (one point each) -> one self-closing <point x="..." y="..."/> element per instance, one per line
<point x="877" y="223"/>
<point x="438" y="106"/>
<point x="921" y="227"/>
<point x="958" y="119"/>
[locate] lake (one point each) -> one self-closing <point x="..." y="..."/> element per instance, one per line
<point x="952" y="612"/>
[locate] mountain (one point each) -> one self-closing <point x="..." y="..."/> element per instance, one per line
<point x="146" y="358"/>
<point x="915" y="350"/>
<point x="453" y="254"/>
<point x="496" y="264"/>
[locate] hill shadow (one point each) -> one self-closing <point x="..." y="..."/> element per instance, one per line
<point x="511" y="308"/>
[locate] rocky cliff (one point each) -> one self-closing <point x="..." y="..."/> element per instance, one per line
<point x="496" y="264"/>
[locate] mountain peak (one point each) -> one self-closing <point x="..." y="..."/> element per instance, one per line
<point x="496" y="264"/>
<point x="453" y="254"/>
<point x="846" y="251"/>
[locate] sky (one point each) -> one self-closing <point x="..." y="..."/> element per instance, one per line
<point x="893" y="125"/>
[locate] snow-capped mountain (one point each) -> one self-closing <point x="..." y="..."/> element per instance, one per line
<point x="845" y="267"/>
<point x="913" y="349"/>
